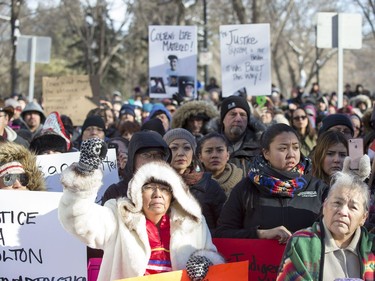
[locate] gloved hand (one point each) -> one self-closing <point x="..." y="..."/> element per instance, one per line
<point x="93" y="151"/>
<point x="197" y="267"/>
<point x="364" y="169"/>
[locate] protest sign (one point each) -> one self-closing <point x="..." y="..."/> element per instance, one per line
<point x="172" y="61"/>
<point x="245" y="59"/>
<point x="223" y="272"/>
<point x="53" y="164"/>
<point x="74" y="96"/>
<point x="34" y="246"/>
<point x="264" y="255"/>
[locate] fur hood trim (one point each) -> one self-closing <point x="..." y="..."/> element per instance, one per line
<point x="354" y="101"/>
<point x="10" y="152"/>
<point x="193" y="108"/>
<point x="182" y="202"/>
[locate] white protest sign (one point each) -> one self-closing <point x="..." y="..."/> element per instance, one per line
<point x="245" y="59"/>
<point x="53" y="164"/>
<point x="34" y="246"/>
<point x="172" y="61"/>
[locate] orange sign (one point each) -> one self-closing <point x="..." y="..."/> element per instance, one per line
<point x="223" y="272"/>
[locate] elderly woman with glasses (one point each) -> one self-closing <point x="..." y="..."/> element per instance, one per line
<point x="338" y="246"/>
<point x="158" y="227"/>
<point x="18" y="168"/>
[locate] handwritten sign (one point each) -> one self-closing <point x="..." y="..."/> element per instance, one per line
<point x="53" y="164"/>
<point x="245" y="59"/>
<point x="264" y="256"/>
<point x="172" y="61"/>
<point x="70" y="95"/>
<point x="33" y="244"/>
<point x="222" y="272"/>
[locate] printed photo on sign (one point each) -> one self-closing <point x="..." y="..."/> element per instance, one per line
<point x="245" y="59"/>
<point x="172" y="61"/>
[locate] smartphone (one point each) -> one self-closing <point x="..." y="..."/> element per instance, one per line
<point x="113" y="145"/>
<point x="355" y="152"/>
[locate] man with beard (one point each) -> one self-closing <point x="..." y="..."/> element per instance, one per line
<point x="241" y="130"/>
<point x="33" y="118"/>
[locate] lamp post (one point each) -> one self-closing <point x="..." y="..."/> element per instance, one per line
<point x="205" y="39"/>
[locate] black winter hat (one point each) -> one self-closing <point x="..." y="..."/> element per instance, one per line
<point x="234" y="102"/>
<point x="335" y="119"/>
<point x="154" y="125"/>
<point x="94" y="120"/>
<point x="48" y="142"/>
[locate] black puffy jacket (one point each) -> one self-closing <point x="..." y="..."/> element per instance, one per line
<point x="249" y="209"/>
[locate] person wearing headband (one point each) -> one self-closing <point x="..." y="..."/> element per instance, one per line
<point x="18" y="169"/>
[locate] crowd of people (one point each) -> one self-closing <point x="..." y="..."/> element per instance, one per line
<point x="228" y="167"/>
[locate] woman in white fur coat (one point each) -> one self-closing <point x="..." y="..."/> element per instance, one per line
<point x="159" y="227"/>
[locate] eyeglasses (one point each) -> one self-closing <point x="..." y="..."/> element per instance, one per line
<point x="10" y="179"/>
<point x="296" y="118"/>
<point x="3" y="115"/>
<point x="149" y="155"/>
<point x="153" y="186"/>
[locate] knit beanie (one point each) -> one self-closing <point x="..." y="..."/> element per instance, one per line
<point x="335" y="119"/>
<point x="234" y="102"/>
<point x="180" y="133"/>
<point x="94" y="120"/>
<point x="127" y="109"/>
<point x="154" y="125"/>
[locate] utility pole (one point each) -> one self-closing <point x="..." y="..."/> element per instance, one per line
<point x="15" y="33"/>
<point x="205" y="40"/>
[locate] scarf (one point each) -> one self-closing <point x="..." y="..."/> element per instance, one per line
<point x="276" y="182"/>
<point x="229" y="177"/>
<point x="191" y="177"/>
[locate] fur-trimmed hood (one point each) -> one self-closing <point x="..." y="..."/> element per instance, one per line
<point x="354" y="101"/>
<point x="10" y="151"/>
<point x="183" y="200"/>
<point x="193" y="108"/>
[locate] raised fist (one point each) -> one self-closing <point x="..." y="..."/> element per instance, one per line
<point x="93" y="151"/>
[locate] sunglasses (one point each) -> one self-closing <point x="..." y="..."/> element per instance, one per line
<point x="10" y="179"/>
<point x="296" y="118"/>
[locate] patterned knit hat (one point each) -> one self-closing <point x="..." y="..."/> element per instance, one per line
<point x="180" y="133"/>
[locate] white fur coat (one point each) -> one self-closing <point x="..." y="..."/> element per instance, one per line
<point x="119" y="227"/>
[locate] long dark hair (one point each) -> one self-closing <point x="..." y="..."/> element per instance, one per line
<point x="325" y="141"/>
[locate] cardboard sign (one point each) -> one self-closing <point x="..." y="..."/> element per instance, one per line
<point x="33" y="244"/>
<point x="264" y="255"/>
<point x="245" y="59"/>
<point x="53" y="164"/>
<point x="71" y="95"/>
<point x="222" y="272"/>
<point x="172" y="61"/>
